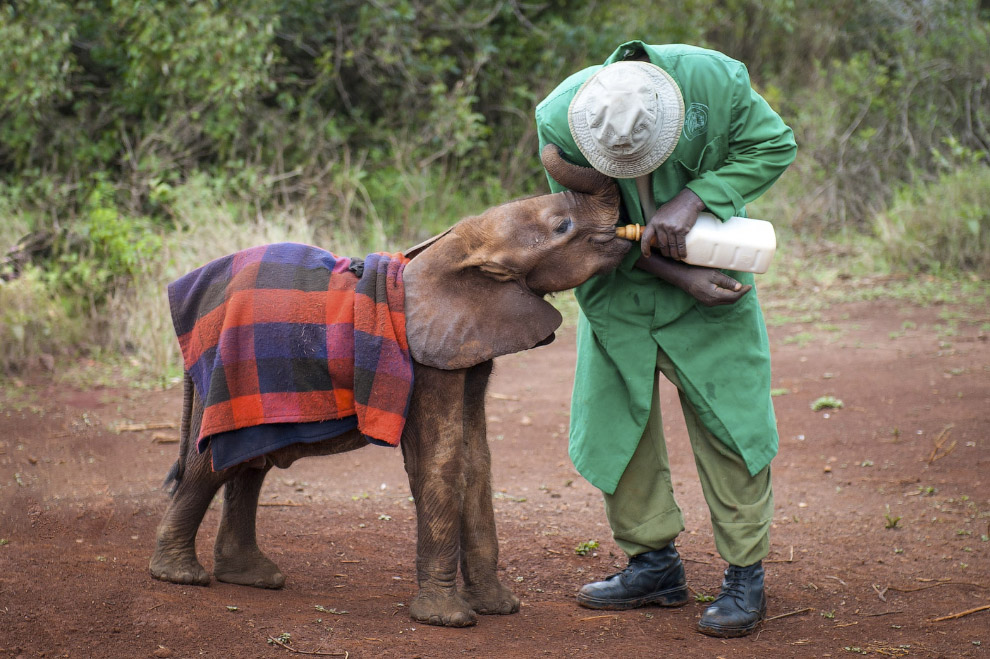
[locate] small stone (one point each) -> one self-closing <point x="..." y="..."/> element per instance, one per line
<point x="162" y="651"/>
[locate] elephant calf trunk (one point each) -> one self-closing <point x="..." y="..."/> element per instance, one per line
<point x="586" y="180"/>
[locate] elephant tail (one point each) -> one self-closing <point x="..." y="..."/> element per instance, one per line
<point x="175" y="474"/>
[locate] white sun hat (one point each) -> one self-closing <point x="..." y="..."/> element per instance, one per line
<point x="626" y="118"/>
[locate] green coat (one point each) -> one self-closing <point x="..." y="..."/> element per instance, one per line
<point x="731" y="150"/>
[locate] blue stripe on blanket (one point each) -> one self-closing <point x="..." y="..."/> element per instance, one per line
<point x="237" y="446"/>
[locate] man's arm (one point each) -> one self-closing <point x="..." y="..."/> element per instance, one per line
<point x="708" y="286"/>
<point x="760" y="148"/>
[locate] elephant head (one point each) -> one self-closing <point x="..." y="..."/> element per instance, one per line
<point x="477" y="290"/>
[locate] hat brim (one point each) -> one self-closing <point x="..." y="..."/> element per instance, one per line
<point x="666" y="132"/>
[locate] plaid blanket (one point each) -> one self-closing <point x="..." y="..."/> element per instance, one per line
<point x="290" y="333"/>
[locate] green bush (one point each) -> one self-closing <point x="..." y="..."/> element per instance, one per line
<point x="34" y="324"/>
<point x="151" y="136"/>
<point x="941" y="226"/>
<point x="103" y="252"/>
<point x="900" y="78"/>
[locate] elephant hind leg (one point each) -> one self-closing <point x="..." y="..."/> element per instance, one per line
<point x="237" y="558"/>
<point x="174" y="558"/>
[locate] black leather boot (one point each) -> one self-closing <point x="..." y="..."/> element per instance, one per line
<point x="654" y="577"/>
<point x="740" y="607"/>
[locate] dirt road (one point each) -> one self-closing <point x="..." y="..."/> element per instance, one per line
<point x="881" y="527"/>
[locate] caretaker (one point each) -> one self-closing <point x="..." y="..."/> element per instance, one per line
<point x="681" y="130"/>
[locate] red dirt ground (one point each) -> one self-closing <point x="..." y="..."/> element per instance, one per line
<point x="80" y="500"/>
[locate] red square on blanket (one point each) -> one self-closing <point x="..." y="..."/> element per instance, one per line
<point x="246" y="408"/>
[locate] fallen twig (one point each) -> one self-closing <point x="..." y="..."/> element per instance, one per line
<point x="137" y="427"/>
<point x="939" y="442"/>
<point x="784" y="560"/>
<point x="492" y="394"/>
<point x="274" y="640"/>
<point x="877" y="615"/>
<point x="163" y="438"/>
<point x="695" y="560"/>
<point x="598" y="617"/>
<point x="937" y="583"/>
<point x="985" y="607"/>
<point x="291" y="504"/>
<point x="787" y="615"/>
<point x="837" y="579"/>
<point x="886" y="651"/>
<point x="107" y="524"/>
<point x="881" y="593"/>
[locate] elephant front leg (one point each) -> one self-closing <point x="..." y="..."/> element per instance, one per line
<point x="479" y="552"/>
<point x="438" y="601"/>
<point x="237" y="558"/>
<point x="432" y="446"/>
<point x="479" y="541"/>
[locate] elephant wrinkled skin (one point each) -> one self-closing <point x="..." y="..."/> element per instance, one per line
<point x="472" y="293"/>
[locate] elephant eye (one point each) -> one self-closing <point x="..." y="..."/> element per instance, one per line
<point x="563" y="226"/>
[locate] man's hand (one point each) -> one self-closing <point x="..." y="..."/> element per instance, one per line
<point x="708" y="286"/>
<point x="669" y="226"/>
<point x="713" y="287"/>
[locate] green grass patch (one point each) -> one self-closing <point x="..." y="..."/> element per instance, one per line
<point x="826" y="403"/>
<point x="802" y="339"/>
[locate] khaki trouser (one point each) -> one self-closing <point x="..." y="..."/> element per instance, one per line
<point x="643" y="513"/>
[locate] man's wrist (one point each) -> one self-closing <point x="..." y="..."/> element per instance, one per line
<point x="691" y="198"/>
<point x="671" y="271"/>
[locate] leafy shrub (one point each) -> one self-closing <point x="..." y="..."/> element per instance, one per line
<point x="34" y="323"/>
<point x="900" y="78"/>
<point x="156" y="135"/>
<point x="103" y="252"/>
<point x="59" y="303"/>
<point x="943" y="225"/>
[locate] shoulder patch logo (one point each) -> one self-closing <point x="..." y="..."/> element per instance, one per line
<point x="695" y="121"/>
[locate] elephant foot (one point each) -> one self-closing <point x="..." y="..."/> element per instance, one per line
<point x="178" y="567"/>
<point x="498" y="600"/>
<point x="442" y="610"/>
<point x="248" y="569"/>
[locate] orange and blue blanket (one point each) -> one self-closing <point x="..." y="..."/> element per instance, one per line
<point x="292" y="334"/>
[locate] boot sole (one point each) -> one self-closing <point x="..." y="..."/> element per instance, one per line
<point x="729" y="632"/>
<point x="667" y="598"/>
<point x="732" y="632"/>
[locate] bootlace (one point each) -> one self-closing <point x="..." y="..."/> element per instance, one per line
<point x="627" y="569"/>
<point x="734" y="584"/>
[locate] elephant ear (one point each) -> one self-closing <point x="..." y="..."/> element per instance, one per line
<point x="416" y="250"/>
<point x="460" y="313"/>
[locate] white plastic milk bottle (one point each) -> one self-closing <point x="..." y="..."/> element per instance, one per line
<point x="739" y="243"/>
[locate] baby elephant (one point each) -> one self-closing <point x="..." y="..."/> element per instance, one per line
<point x="470" y="294"/>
